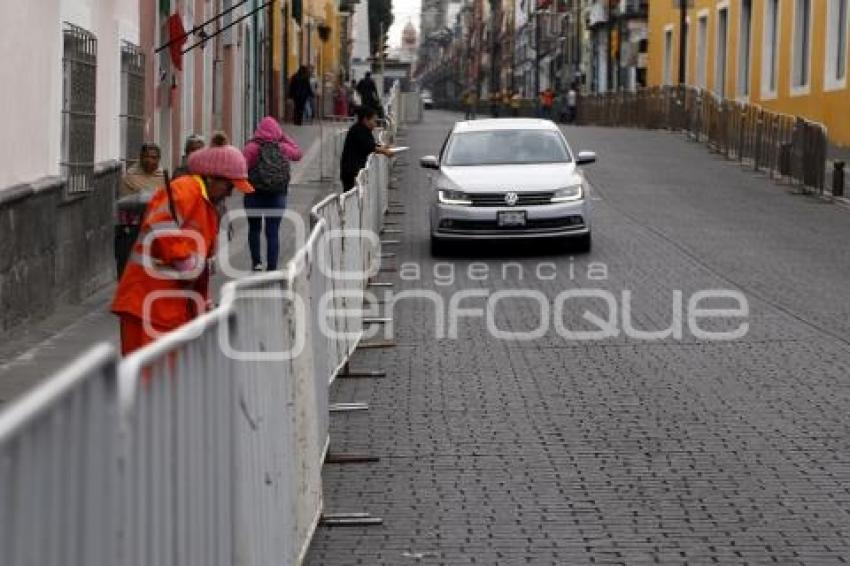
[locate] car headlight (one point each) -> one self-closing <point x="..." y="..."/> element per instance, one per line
<point x="567" y="194"/>
<point x="453" y="197"/>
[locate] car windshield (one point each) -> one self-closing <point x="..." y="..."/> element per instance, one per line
<point x="507" y="147"/>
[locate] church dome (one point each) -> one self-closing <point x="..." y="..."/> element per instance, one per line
<point x="408" y="35"/>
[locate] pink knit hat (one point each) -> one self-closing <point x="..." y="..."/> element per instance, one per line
<point x="221" y="160"/>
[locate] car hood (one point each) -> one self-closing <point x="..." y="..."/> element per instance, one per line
<point x="532" y="177"/>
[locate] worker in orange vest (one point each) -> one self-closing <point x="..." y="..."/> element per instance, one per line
<point x="165" y="283"/>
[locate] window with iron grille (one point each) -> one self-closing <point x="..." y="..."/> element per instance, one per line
<point x="132" y="101"/>
<point x="79" y="70"/>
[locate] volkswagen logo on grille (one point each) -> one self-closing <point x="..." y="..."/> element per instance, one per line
<point x="511" y="199"/>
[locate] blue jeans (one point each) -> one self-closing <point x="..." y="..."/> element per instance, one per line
<point x="268" y="202"/>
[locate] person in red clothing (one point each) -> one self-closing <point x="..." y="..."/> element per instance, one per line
<point x="165" y="282"/>
<point x="547" y="100"/>
<point x="341" y="99"/>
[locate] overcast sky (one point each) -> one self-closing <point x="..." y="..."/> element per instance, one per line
<point x="404" y="11"/>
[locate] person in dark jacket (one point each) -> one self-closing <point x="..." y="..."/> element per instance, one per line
<point x="359" y="145"/>
<point x="300" y="92"/>
<point x="368" y="92"/>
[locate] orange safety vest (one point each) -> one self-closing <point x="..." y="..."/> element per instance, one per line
<point x="164" y="240"/>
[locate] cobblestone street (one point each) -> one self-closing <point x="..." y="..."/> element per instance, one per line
<point x="619" y="450"/>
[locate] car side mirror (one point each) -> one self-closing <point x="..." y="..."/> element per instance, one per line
<point x="586" y="157"/>
<point x="429" y="162"/>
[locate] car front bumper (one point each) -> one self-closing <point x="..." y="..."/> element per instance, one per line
<point x="452" y="222"/>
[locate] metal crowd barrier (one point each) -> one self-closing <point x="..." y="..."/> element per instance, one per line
<point x="410" y="107"/>
<point x="333" y="130"/>
<point x="782" y="145"/>
<point x="206" y="447"/>
<point x="59" y="467"/>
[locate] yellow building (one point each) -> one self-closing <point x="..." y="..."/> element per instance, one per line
<point x="304" y="39"/>
<point x="313" y="40"/>
<point x="788" y="56"/>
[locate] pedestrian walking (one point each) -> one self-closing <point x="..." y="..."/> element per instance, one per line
<point x="572" y="105"/>
<point x="470" y="102"/>
<point x="506" y="101"/>
<point x="516" y="100"/>
<point x="495" y="103"/>
<point x="547" y="101"/>
<point x="341" y="97"/>
<point x="300" y="92"/>
<point x="145" y="175"/>
<point x="368" y="91"/>
<point x="193" y="143"/>
<point x="267" y="156"/>
<point x="359" y="145"/>
<point x="166" y="281"/>
<point x="311" y="108"/>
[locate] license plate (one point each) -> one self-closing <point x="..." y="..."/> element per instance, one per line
<point x="511" y="218"/>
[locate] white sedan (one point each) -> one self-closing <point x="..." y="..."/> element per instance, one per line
<point x="508" y="179"/>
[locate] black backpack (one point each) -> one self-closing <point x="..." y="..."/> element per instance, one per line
<point x="270" y="174"/>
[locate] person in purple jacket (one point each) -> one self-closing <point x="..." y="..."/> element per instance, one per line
<point x="272" y="198"/>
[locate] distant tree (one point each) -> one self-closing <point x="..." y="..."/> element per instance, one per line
<point x="380" y="11"/>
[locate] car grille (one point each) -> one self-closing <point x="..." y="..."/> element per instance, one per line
<point x="575" y="222"/>
<point x="498" y="199"/>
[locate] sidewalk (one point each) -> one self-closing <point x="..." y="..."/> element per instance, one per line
<point x="39" y="350"/>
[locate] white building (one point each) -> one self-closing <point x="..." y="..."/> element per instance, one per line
<point x="48" y="46"/>
<point x="72" y="83"/>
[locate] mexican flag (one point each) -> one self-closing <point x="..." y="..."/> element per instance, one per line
<point x="176" y="33"/>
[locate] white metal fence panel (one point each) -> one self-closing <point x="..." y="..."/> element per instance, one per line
<point x="326" y="359"/>
<point x="265" y="422"/>
<point x="410" y="108"/>
<point x="307" y="425"/>
<point x="329" y="258"/>
<point x="333" y="132"/>
<point x="58" y="467"/>
<point x="179" y="400"/>
<point x="355" y="242"/>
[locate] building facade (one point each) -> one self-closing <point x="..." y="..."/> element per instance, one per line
<point x="789" y="56"/>
<point x="220" y="83"/>
<point x="618" y="43"/>
<point x="72" y="94"/>
<point x="241" y="72"/>
<point x="315" y="39"/>
<point x="52" y="46"/>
